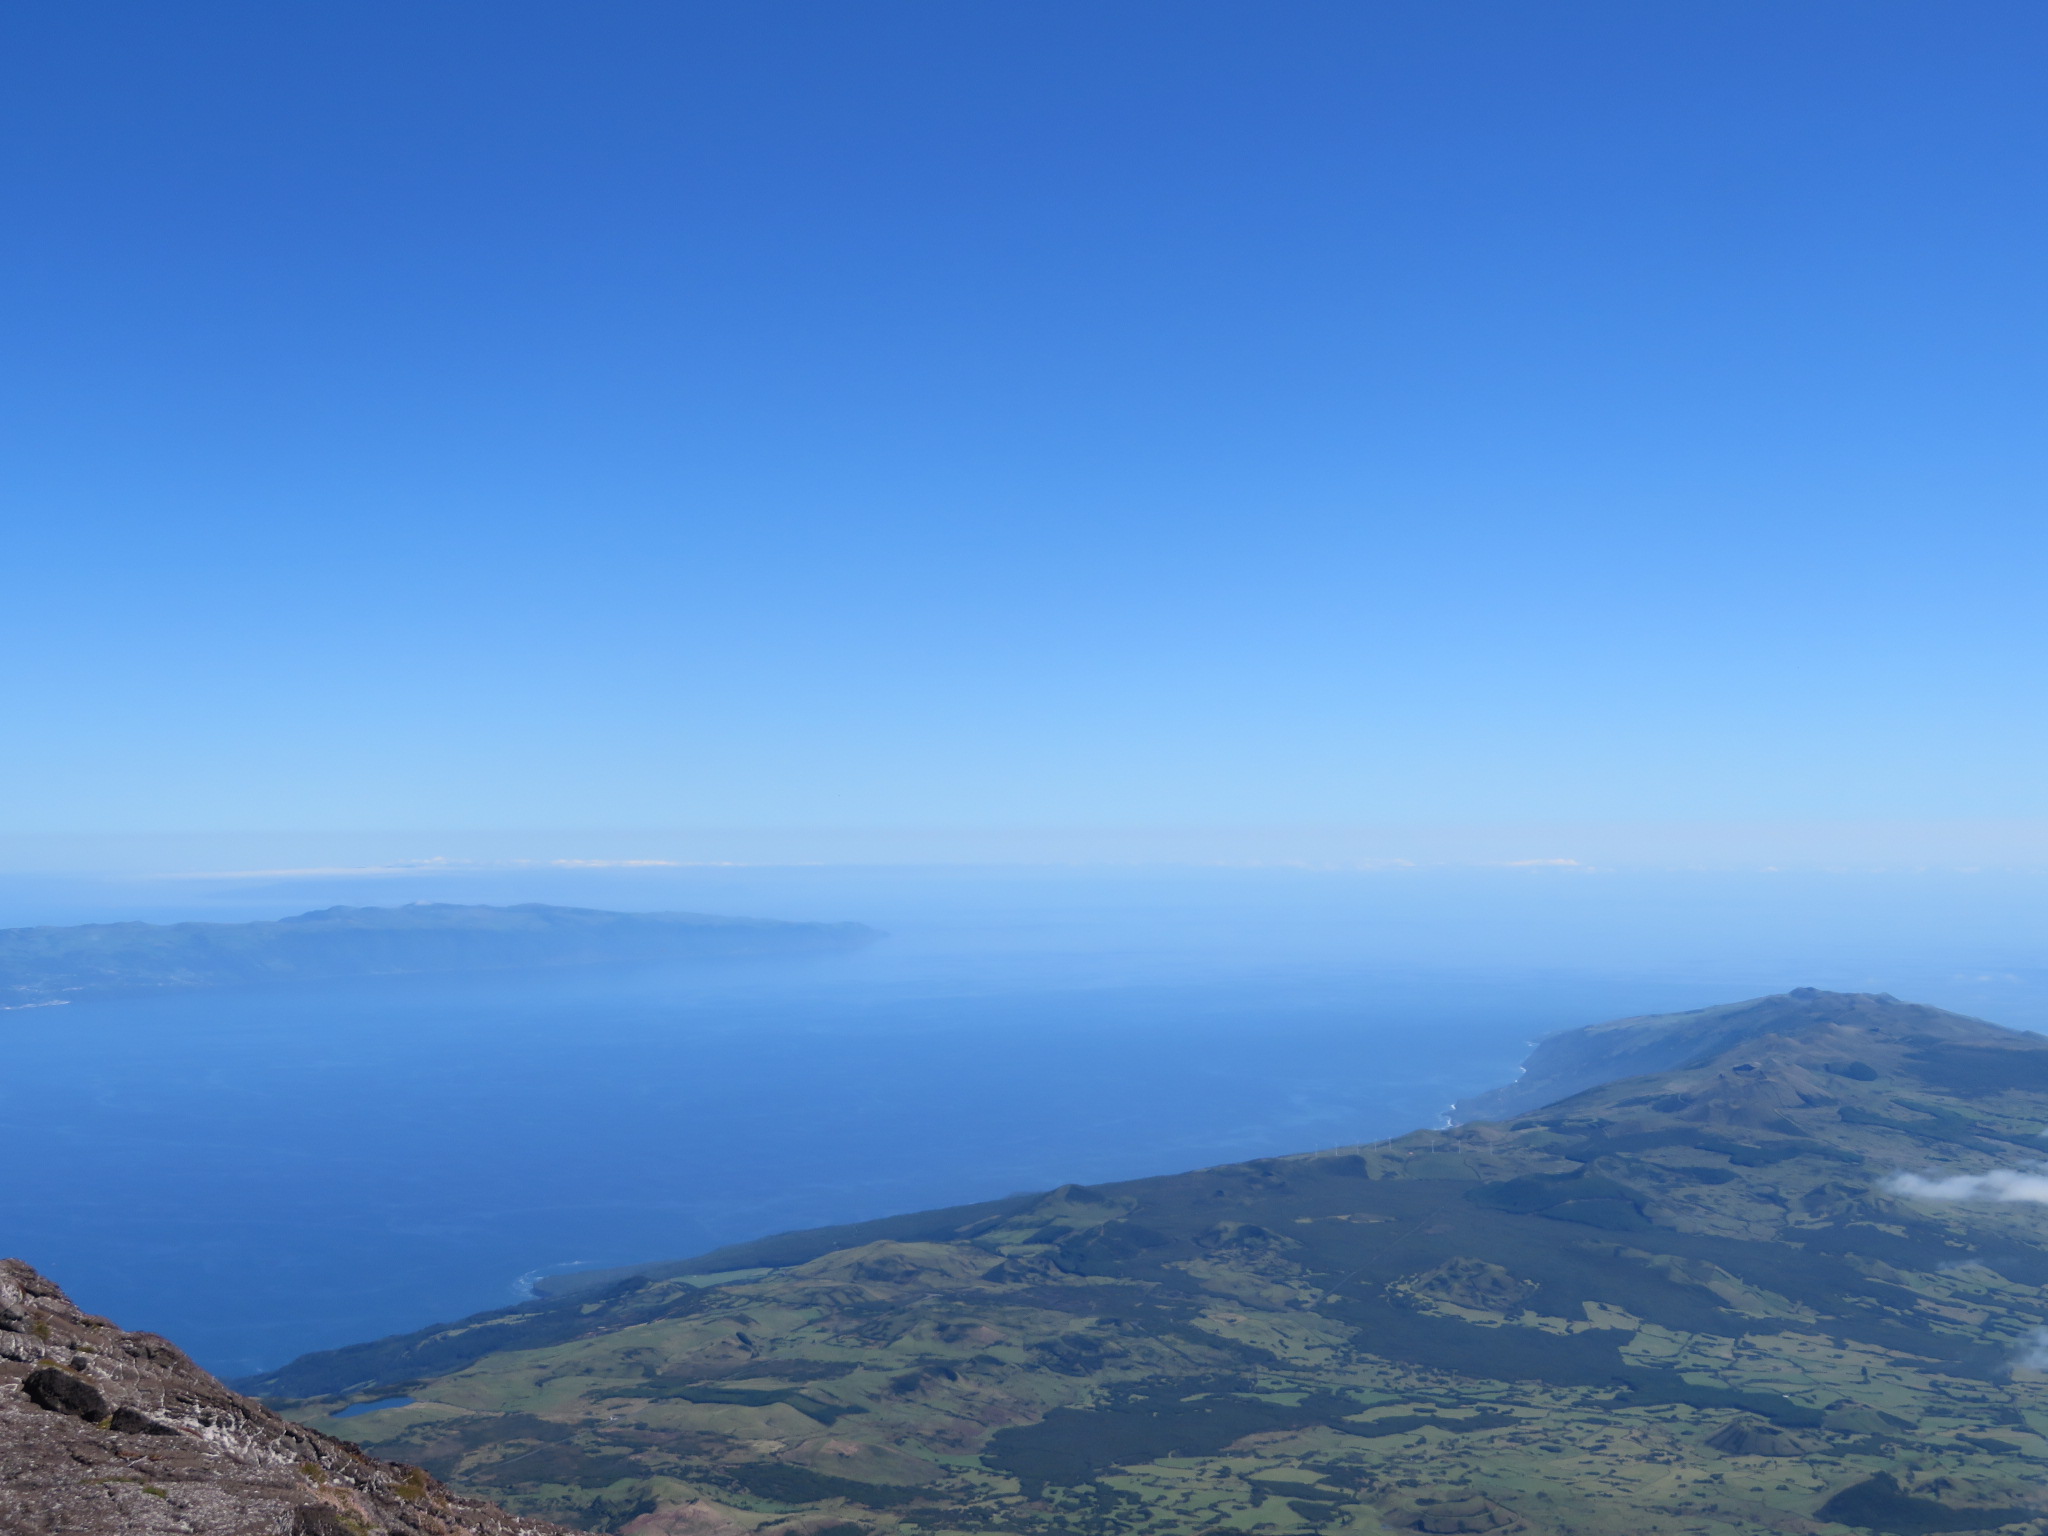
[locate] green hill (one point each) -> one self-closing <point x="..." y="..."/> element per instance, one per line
<point x="59" y="963"/>
<point x="1576" y="1059"/>
<point x="1697" y="1300"/>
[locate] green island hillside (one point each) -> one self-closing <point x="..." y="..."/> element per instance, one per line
<point x="39" y="966"/>
<point x="1786" y="1284"/>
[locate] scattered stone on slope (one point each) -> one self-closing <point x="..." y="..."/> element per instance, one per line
<point x="110" y="1433"/>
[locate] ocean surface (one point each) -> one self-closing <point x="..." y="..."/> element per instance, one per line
<point x="264" y="1171"/>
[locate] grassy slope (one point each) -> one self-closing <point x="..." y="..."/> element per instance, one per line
<point x="1679" y="1303"/>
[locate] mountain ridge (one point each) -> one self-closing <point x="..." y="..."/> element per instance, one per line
<point x="1571" y="1061"/>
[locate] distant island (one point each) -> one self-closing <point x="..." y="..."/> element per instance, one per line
<point x="39" y="966"/>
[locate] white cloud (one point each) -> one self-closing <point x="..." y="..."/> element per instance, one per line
<point x="2033" y="1350"/>
<point x="2012" y="1184"/>
<point x="1998" y="1184"/>
<point x="627" y="864"/>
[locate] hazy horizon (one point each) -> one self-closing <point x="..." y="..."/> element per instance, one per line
<point x="1696" y="844"/>
<point x="1015" y="1027"/>
<point x="1329" y="536"/>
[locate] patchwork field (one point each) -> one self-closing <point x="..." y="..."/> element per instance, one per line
<point x="1694" y="1301"/>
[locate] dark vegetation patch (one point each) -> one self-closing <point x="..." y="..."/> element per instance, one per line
<point x="563" y="1464"/>
<point x="1607" y="1215"/>
<point x="1504" y="1354"/>
<point x="1813" y="1277"/>
<point x="1853" y="1304"/>
<point x="1407" y="1423"/>
<point x="1941" y="1125"/>
<point x="1162" y="1311"/>
<point x="1921" y="1246"/>
<point x="1879" y="1504"/>
<point x="410" y="1358"/>
<point x="911" y="1381"/>
<point x="1987" y="1443"/>
<point x="1343" y="1165"/>
<point x="1857" y="1071"/>
<point x="615" y="1514"/>
<point x="441" y="1445"/>
<point x="1076" y="1445"/>
<point x="1285" y="1488"/>
<point x="587" y="1511"/>
<point x="1127" y="1302"/>
<point x="777" y="1370"/>
<point x="783" y="1483"/>
<point x="1741" y="1153"/>
<point x="1688" y="1173"/>
<point x="1073" y="1356"/>
<point x="1310" y="1511"/>
<point x="1539" y="1193"/>
<point x="1106" y="1249"/>
<point x="488" y="1429"/>
<point x="1647" y="1389"/>
<point x="741" y="1397"/>
<point x="1975" y="1071"/>
<point x="1928" y="1248"/>
<point x="1567" y="1271"/>
<point x="1526" y="1354"/>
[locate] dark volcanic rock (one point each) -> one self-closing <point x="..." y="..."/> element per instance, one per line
<point x="61" y="1392"/>
<point x="109" y="1433"/>
<point x="319" y="1520"/>
<point x="126" y="1421"/>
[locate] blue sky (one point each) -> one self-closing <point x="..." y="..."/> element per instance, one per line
<point x="770" y="414"/>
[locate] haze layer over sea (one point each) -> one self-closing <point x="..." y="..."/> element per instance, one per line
<point x="264" y="1171"/>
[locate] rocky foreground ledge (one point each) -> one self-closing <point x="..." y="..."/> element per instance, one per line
<point x="106" y="1431"/>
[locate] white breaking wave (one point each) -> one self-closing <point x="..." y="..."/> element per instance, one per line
<point x="526" y="1287"/>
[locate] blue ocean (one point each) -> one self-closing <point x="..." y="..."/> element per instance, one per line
<point x="260" y="1172"/>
